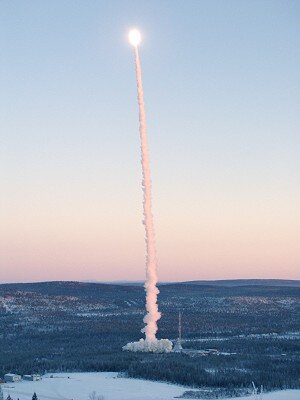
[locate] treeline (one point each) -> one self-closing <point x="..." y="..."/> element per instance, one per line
<point x="235" y="371"/>
<point x="210" y="372"/>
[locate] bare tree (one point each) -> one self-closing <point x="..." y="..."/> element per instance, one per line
<point x="255" y="391"/>
<point x="95" y="396"/>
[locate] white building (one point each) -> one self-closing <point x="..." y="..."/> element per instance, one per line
<point x="34" y="377"/>
<point x="12" y="378"/>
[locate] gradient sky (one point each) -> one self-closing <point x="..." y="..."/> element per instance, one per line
<point x="222" y="91"/>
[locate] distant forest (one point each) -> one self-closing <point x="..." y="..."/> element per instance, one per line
<point x="72" y="326"/>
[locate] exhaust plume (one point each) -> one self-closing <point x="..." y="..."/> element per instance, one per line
<point x="153" y="315"/>
<point x="156" y="346"/>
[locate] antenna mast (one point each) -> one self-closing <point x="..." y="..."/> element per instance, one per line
<point x="179" y="327"/>
<point x="178" y="348"/>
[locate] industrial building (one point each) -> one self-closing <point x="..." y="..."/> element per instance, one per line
<point x="12" y="378"/>
<point x="34" y="377"/>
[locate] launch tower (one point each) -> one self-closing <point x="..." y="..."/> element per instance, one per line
<point x="178" y="347"/>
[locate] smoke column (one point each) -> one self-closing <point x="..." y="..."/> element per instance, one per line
<point x="153" y="315"/>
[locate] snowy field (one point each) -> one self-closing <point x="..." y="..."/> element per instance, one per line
<point x="79" y="385"/>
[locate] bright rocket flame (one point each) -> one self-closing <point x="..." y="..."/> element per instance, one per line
<point x="134" y="37"/>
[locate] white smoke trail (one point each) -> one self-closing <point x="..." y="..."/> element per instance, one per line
<point x="153" y="315"/>
<point x="150" y="343"/>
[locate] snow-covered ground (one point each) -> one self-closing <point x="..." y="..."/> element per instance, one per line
<point x="280" y="395"/>
<point x="79" y="385"/>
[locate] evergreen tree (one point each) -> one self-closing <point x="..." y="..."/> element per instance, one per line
<point x="34" y="397"/>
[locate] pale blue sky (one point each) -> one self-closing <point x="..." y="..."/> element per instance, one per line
<point x="221" y="81"/>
